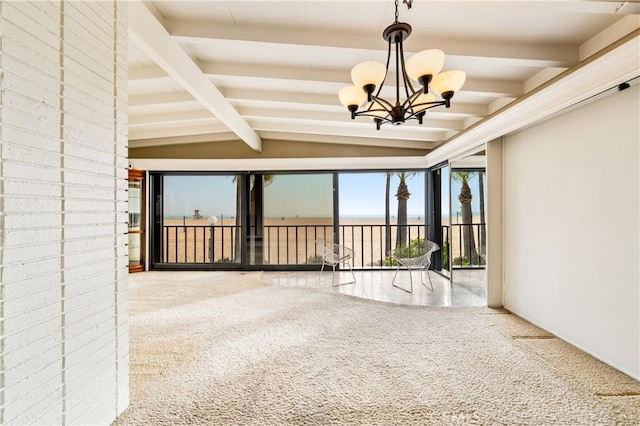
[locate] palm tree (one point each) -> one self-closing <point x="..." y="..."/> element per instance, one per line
<point x="469" y="245"/>
<point x="387" y="217"/>
<point x="267" y="180"/>
<point x="402" y="195"/>
<point x="483" y="229"/>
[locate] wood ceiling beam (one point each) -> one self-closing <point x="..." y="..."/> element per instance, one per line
<point x="338" y="118"/>
<point x="612" y="66"/>
<point x="154" y="40"/>
<point x="361" y="130"/>
<point x="336" y="79"/>
<point x="178" y="118"/>
<point x="345" y="140"/>
<point x="180" y="140"/>
<point x="267" y="98"/>
<point x="160" y="98"/>
<point x="517" y="54"/>
<point x="172" y="130"/>
<point x="333" y="79"/>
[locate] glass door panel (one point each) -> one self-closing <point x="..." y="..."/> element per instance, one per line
<point x="297" y="209"/>
<point x="468" y="224"/>
<point x="200" y="223"/>
<point x="381" y="212"/>
<point x="468" y="233"/>
<point x="445" y="187"/>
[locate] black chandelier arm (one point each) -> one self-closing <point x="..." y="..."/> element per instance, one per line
<point x="369" y="113"/>
<point x="386" y="70"/>
<point x="407" y="81"/>
<point x="385" y="104"/>
<point x="408" y="103"/>
<point x="397" y="73"/>
<point x="427" y="106"/>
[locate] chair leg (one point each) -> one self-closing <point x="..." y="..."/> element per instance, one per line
<point x="393" y="282"/>
<point x="351" y="270"/>
<point x="348" y="282"/>
<point x="430" y="286"/>
<point x="321" y="271"/>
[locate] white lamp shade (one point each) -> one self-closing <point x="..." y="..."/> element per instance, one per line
<point x="448" y="81"/>
<point x="352" y="95"/>
<point x="423" y="98"/>
<point x="427" y="62"/>
<point x="369" y="72"/>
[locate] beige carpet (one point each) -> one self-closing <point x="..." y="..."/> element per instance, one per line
<point x="226" y="349"/>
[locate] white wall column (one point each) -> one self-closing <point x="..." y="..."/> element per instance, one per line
<point x="494" y="224"/>
<point x="63" y="212"/>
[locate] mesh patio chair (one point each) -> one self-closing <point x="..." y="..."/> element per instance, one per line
<point x="420" y="263"/>
<point x="334" y="254"/>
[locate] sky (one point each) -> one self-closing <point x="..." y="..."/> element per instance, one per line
<point x="209" y="194"/>
<point x="361" y="194"/>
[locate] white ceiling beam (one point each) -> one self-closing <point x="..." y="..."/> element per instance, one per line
<point x="182" y="117"/>
<point x="499" y="103"/>
<point x="152" y="38"/>
<point x="247" y="97"/>
<point x="181" y="140"/>
<point x="542" y="77"/>
<point x="160" y="98"/>
<point x="202" y="116"/>
<point x="534" y="55"/>
<point x="361" y="130"/>
<point x="345" y="140"/>
<point x="283" y="136"/>
<point x="611" y="34"/>
<point x="146" y="73"/>
<point x="617" y="64"/>
<point x="172" y="130"/>
<point x="334" y="117"/>
<point x="244" y="72"/>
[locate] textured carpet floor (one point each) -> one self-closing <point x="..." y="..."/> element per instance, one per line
<point x="226" y="349"/>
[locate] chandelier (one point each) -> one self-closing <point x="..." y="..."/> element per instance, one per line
<point x="423" y="67"/>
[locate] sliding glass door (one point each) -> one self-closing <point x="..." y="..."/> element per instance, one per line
<point x="196" y="219"/>
<point x="381" y="212"/>
<point x="266" y="220"/>
<point x="296" y="210"/>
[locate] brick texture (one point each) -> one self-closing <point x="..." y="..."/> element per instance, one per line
<point x="63" y="203"/>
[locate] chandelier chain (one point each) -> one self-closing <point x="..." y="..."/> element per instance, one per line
<point x="407" y="2"/>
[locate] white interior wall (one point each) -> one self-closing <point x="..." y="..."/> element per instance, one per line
<point x="63" y="168"/>
<point x="571" y="227"/>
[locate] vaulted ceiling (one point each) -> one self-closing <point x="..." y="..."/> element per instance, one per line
<point x="215" y="71"/>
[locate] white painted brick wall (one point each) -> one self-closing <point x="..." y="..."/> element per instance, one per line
<point x="64" y="352"/>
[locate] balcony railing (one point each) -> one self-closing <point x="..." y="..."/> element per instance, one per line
<point x="199" y="244"/>
<point x="468" y="245"/>
<point x="294" y="244"/>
